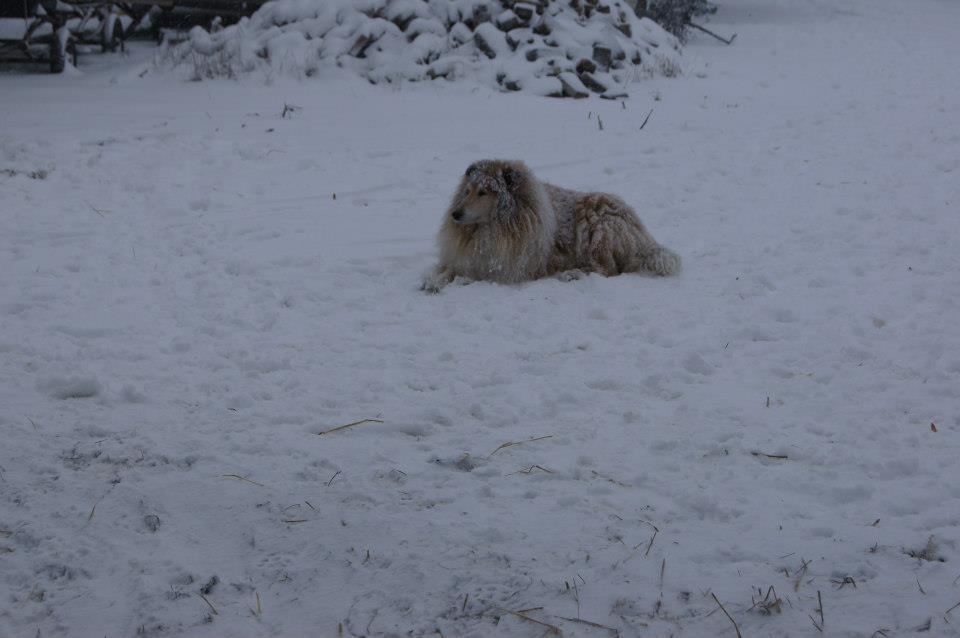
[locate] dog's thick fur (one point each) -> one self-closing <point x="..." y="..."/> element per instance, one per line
<point x="504" y="225"/>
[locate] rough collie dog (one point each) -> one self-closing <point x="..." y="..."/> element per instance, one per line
<point x="505" y="225"/>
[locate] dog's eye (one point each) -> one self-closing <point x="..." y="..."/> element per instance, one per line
<point x="481" y="193"/>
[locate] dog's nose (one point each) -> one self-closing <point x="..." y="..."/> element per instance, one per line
<point x="457" y="214"/>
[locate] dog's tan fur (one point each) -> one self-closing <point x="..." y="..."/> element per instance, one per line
<point x="504" y="225"/>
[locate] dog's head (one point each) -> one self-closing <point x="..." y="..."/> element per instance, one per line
<point x="487" y="192"/>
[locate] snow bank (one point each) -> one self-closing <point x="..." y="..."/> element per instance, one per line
<point x="555" y="48"/>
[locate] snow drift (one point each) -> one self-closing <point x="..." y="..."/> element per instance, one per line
<point x="549" y="47"/>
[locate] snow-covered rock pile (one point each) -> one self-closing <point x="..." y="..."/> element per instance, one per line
<point x="561" y="48"/>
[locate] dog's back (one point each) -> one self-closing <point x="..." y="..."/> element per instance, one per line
<point x="599" y="232"/>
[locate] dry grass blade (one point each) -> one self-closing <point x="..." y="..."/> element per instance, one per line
<point x="209" y="604"/>
<point x="551" y="629"/>
<point x="781" y="457"/>
<point x="800" y="573"/>
<point x="242" y="478"/>
<point x="652" y="538"/>
<point x="294" y="520"/>
<point x="92" y="510"/>
<point x="613" y="630"/>
<point x="259" y="607"/>
<point x="820" y="608"/>
<point x="736" y="627"/>
<point x="951" y="609"/>
<point x="769" y="603"/>
<point x="529" y="470"/>
<point x="847" y="580"/>
<point x="513" y="443"/>
<point x="336" y="474"/>
<point x="646" y="119"/>
<point x="597" y="474"/>
<point x="349" y="425"/>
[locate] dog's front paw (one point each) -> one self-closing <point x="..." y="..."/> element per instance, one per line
<point x="571" y="275"/>
<point x="431" y="286"/>
<point x="435" y="281"/>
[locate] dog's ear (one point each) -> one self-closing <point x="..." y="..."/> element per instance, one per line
<point x="471" y="169"/>
<point x="512" y="177"/>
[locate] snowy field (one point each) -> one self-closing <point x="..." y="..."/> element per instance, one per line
<point x="193" y="287"/>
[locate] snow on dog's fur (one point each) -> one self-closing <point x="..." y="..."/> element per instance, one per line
<point x="505" y="225"/>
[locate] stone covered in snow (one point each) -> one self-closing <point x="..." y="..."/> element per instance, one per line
<point x="550" y="47"/>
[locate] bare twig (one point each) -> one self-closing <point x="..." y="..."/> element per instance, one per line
<point x="708" y="32"/>
<point x="646" y="119"/>
<point x="333" y="477"/>
<point x="820" y="608"/>
<point x="920" y="587"/>
<point x="615" y="632"/>
<point x="242" y="478"/>
<point x="349" y="425"/>
<point x="97" y="502"/>
<point x="951" y="609"/>
<point x="513" y="443"/>
<point x="97" y="210"/>
<point x="553" y="629"/>
<point x="289" y="108"/>
<point x="724" y="610"/>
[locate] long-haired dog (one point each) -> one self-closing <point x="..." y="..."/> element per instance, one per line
<point x="505" y="225"/>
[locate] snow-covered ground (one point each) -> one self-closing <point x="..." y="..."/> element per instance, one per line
<point x="185" y="305"/>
